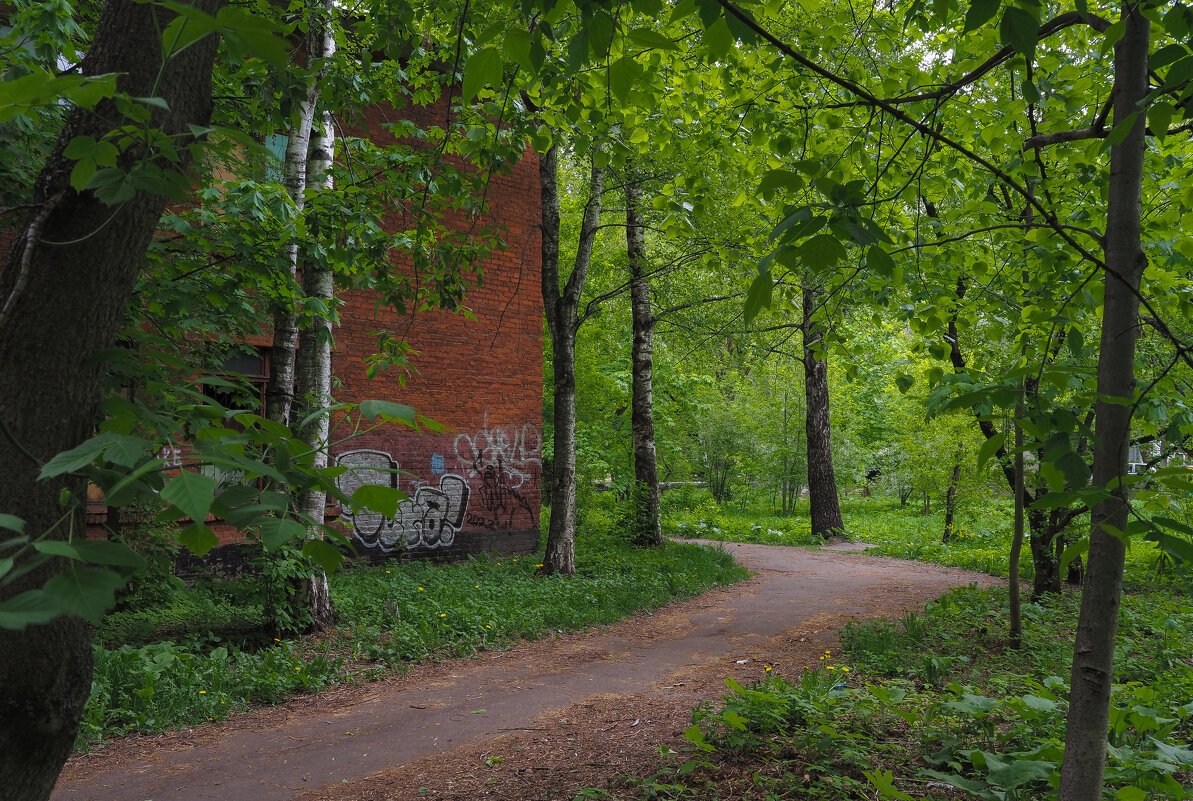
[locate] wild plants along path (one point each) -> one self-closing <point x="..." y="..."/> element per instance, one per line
<point x="537" y="721"/>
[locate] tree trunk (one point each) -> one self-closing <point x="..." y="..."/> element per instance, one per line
<point x="562" y="310"/>
<point x="1041" y="536"/>
<point x="64" y="291"/>
<point x="950" y="498"/>
<point x="314" y="364"/>
<point x="648" y="528"/>
<point x="1093" y="652"/>
<point x="279" y="393"/>
<point x="822" y="479"/>
<point x="1042" y="528"/>
<point x="1016" y="613"/>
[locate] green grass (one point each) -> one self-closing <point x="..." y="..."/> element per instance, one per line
<point x="388" y="616"/>
<point x="923" y="706"/>
<point x="981" y="538"/>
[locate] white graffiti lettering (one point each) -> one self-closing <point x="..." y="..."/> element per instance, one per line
<point x="431" y="518"/>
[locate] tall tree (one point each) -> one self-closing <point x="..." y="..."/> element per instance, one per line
<point x="647" y="524"/>
<point x="561" y="305"/>
<point x="315" y="337"/>
<point x="1093" y="653"/>
<point x="65" y="287"/>
<point x="822" y="479"/>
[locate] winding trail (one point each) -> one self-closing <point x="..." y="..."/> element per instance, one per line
<point x="536" y="721"/>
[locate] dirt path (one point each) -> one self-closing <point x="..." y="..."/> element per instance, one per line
<point x="534" y="722"/>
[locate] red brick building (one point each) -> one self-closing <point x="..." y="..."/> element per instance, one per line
<point x="475" y="487"/>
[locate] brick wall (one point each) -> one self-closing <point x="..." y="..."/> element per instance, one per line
<point x="475" y="486"/>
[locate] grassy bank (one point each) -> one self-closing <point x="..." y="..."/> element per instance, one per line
<point x="938" y="705"/>
<point x="388" y="616"/>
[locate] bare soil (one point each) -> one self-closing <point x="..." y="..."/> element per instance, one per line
<point x="539" y="721"/>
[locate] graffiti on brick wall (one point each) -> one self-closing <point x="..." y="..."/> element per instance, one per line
<point x="505" y="460"/>
<point x="516" y="450"/>
<point x="431" y="518"/>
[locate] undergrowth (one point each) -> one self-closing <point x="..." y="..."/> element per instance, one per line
<point x="938" y="705"/>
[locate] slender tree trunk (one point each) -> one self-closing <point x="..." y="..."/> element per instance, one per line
<point x="562" y="309"/>
<point x="647" y="525"/>
<point x="64" y="291"/>
<point x="950" y="498"/>
<point x="279" y="394"/>
<point x="1093" y="653"/>
<point x="822" y="479"/>
<point x="314" y="362"/>
<point x="1042" y="528"/>
<point x="1016" y="613"/>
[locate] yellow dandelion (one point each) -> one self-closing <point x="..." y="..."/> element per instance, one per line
<point x="830" y="667"/>
<point x="488" y="626"/>
<point x="844" y="670"/>
<point x="275" y="639"/>
<point x="769" y="668"/>
<point x="540" y="564"/>
<point x="443" y="614"/>
<point x="478" y="586"/>
<point x="296" y="667"/>
<point x="202" y="692"/>
<point x="388" y="571"/>
<point x="420" y="589"/>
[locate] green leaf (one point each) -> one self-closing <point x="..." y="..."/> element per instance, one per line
<point x="758" y="296"/>
<point x="1120" y="131"/>
<point x="12" y="523"/>
<point x="1159" y="117"/>
<point x="774" y="180"/>
<point x="1021" y="772"/>
<point x="378" y="498"/>
<point x="1075" y="469"/>
<point x="821" y="252"/>
<point x="624" y="75"/>
<point x="1020" y="29"/>
<point x="980" y="12"/>
<point x="324" y="554"/>
<point x="106" y="552"/>
<point x="989" y="448"/>
<point x="1178" y="73"/>
<point x="1076" y="341"/>
<point x="184" y="31"/>
<point x="883" y="781"/>
<point x="1072" y="552"/>
<point x="1166" y="55"/>
<point x="516" y="48"/>
<point x="276" y="531"/>
<point x="85" y="591"/>
<point x="31" y="607"/>
<point x="484" y="68"/>
<point x="1036" y="702"/>
<point x="372" y="409"/>
<point x="193" y="493"/>
<point x="1130" y="793"/>
<point x="647" y="37"/>
<point x="904" y="383"/>
<point x="881" y="262"/>
<point x="197" y="538"/>
<point x="718" y="39"/>
<point x="79" y="456"/>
